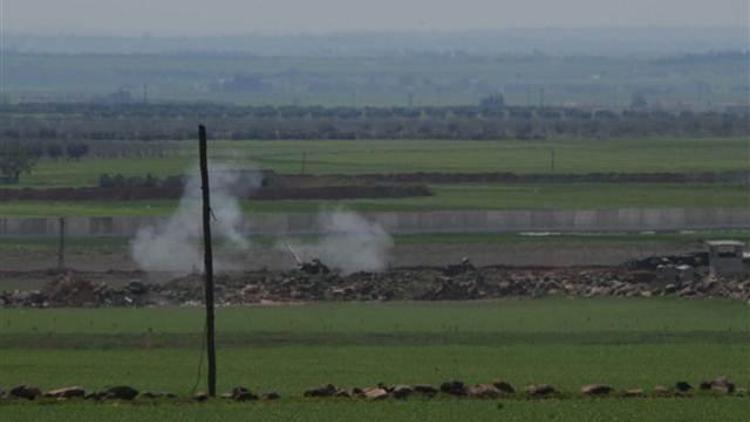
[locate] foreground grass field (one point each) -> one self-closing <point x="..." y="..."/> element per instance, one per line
<point x="674" y="410"/>
<point x="382" y="156"/>
<point x="565" y="342"/>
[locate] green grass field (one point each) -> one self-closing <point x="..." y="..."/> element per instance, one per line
<point x="703" y="409"/>
<point x="356" y="157"/>
<point x="446" y="197"/>
<point x="565" y="342"/>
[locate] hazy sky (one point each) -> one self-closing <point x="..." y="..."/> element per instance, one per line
<point x="199" y="17"/>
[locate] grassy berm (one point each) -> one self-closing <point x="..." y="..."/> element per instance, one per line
<point x="626" y="343"/>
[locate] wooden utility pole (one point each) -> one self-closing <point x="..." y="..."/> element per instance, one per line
<point x="208" y="263"/>
<point x="61" y="245"/>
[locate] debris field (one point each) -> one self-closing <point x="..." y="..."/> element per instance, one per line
<point x="316" y="282"/>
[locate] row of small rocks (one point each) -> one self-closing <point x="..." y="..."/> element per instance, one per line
<point x="494" y="390"/>
<point x="123" y="392"/>
<point x="500" y="388"/>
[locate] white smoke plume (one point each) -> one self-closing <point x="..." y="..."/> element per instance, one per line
<point x="348" y="243"/>
<point x="175" y="245"/>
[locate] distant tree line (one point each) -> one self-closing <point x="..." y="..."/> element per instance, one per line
<point x="713" y="57"/>
<point x="118" y="180"/>
<point x="18" y="157"/>
<point x="491" y="119"/>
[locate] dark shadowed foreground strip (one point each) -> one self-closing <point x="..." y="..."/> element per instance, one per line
<point x="674" y="410"/>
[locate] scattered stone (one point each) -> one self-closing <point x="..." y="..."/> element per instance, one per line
<point x="25" y="392"/>
<point x="119" y="392"/>
<point x="596" y="390"/>
<point x="137" y="288"/>
<point x="375" y="393"/>
<point x="200" y="396"/>
<point x="454" y="388"/>
<point x="483" y="391"/>
<point x="385" y="387"/>
<point x="242" y="394"/>
<point x="343" y="394"/>
<point x="719" y="385"/>
<point x="633" y="392"/>
<point x="271" y="396"/>
<point x="402" y="391"/>
<point x="683" y="387"/>
<point x="540" y="390"/>
<point x="95" y="395"/>
<point x="661" y="390"/>
<point x="157" y="395"/>
<point x="66" y="393"/>
<point x="504" y="386"/>
<point x="425" y="389"/>
<point x="322" y="391"/>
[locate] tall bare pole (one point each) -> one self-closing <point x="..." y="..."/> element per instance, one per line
<point x="209" y="264"/>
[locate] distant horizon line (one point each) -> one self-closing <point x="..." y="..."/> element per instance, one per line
<point x="421" y="31"/>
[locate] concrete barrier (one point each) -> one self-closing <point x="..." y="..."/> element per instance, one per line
<point x="618" y="220"/>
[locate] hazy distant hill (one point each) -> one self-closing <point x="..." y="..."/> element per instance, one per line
<point x="549" y="41"/>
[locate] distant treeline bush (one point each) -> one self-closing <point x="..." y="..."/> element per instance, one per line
<point x="490" y="120"/>
<point x="69" y="150"/>
<point x="107" y="180"/>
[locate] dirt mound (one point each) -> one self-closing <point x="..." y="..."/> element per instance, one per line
<point x="70" y="291"/>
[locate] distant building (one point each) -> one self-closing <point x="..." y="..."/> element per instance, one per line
<point x="242" y="83"/>
<point x="725" y="257"/>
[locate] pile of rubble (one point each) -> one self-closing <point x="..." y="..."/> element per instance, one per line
<point x="315" y="282"/>
<point x="69" y="290"/>
<point x="497" y="389"/>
